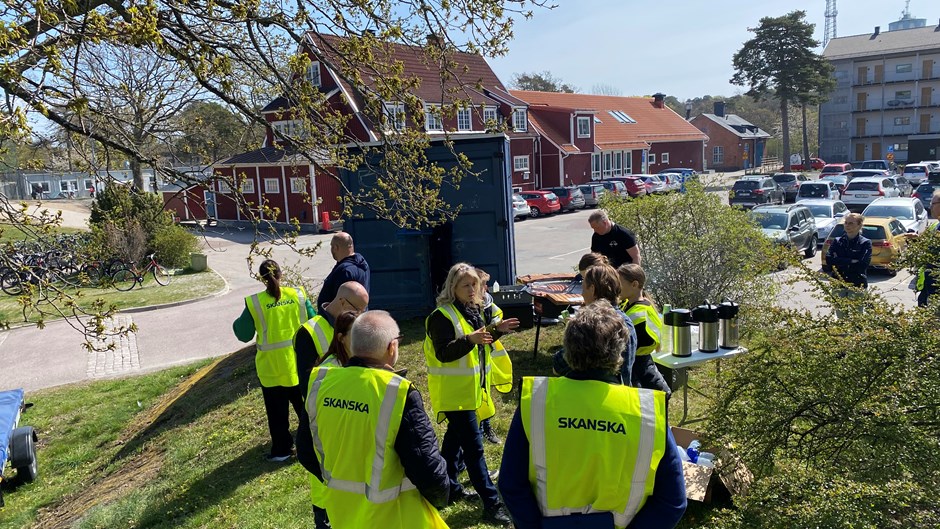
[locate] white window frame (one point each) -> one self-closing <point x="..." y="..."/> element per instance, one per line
<point x="66" y="186"/>
<point x="520" y="163"/>
<point x="247" y="185"/>
<point x="651" y="159"/>
<point x="224" y="187"/>
<point x="608" y="164"/>
<point x="718" y="154"/>
<point x="617" y="160"/>
<point x="664" y="157"/>
<point x="464" y="119"/>
<point x="291" y="127"/>
<point x="584" y="126"/>
<point x="394" y="115"/>
<point x="89" y="183"/>
<point x="490" y="113"/>
<point x="596" y="166"/>
<point x="313" y="73"/>
<point x="627" y="162"/>
<point x="298" y="185"/>
<point x="519" y="120"/>
<point x="272" y="185"/>
<point x="432" y="118"/>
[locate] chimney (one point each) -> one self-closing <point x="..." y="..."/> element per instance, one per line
<point x="877" y="31"/>
<point x="658" y="98"/>
<point x="720" y="109"/>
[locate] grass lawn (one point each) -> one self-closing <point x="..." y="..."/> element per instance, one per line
<point x="183" y="448"/>
<point x="183" y="286"/>
<point x="11" y="233"/>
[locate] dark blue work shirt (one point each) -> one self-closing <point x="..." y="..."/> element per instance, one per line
<point x="843" y="251"/>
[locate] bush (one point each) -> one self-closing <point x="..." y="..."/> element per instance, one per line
<point x="173" y="244"/>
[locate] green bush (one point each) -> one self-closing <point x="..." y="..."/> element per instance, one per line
<point x="173" y="244"/>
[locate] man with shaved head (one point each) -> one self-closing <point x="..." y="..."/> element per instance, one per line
<point x="350" y="266"/>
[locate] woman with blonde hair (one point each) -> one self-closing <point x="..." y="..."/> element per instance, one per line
<point x="642" y="311"/>
<point x="457" y="358"/>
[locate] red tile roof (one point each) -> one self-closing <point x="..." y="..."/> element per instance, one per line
<point x="652" y="124"/>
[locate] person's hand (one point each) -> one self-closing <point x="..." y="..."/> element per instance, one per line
<point x="507" y="326"/>
<point x="480" y="337"/>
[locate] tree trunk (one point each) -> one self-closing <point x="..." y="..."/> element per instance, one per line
<point x="806" y="166"/>
<point x="138" y="173"/>
<point x="785" y="124"/>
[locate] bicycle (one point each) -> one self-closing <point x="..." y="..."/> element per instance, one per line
<point x="125" y="278"/>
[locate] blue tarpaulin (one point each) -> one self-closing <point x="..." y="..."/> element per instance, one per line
<point x="10" y="404"/>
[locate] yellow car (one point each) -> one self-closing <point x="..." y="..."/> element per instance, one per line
<point x="888" y="237"/>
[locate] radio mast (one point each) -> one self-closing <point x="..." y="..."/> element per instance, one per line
<point x="831" y="13"/>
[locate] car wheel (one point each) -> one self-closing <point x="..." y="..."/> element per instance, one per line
<point x="811" y="249"/>
<point x="535" y="212"/>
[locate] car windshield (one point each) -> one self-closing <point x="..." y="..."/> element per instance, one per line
<point x="835" y="178"/>
<point x="822" y="211"/>
<point x="551" y="196"/>
<point x="746" y="184"/>
<point x="517" y="198"/>
<point x="863" y="186"/>
<point x="873" y="165"/>
<point x="915" y="170"/>
<point x="770" y="221"/>
<point x="925" y="190"/>
<point x="870" y="232"/>
<point x="814" y="190"/>
<point x="900" y="212"/>
<point x="782" y="178"/>
<point x="831" y="169"/>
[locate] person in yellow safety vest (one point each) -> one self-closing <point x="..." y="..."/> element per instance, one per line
<point x="376" y="451"/>
<point x="319" y="342"/>
<point x="584" y="450"/>
<point x="274" y="316"/>
<point x="457" y="381"/>
<point x="647" y="321"/>
<point x="499" y="368"/>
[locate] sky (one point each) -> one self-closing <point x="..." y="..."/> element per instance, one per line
<point x="681" y="48"/>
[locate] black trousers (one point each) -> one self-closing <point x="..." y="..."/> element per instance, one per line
<point x="277" y="403"/>
<point x="463" y="433"/>
<point x="645" y="374"/>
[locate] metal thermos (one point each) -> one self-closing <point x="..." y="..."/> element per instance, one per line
<point x="707" y="317"/>
<point x="728" y="320"/>
<point x="678" y="323"/>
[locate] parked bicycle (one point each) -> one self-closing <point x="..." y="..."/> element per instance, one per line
<point x="125" y="278"/>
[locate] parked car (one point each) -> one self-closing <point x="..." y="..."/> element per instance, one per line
<point x="924" y="193"/>
<point x="614" y="186"/>
<point x="883" y="165"/>
<point x="818" y="189"/>
<point x="571" y="198"/>
<point x="840" y="181"/>
<point x="592" y="194"/>
<point x="888" y="238"/>
<point x="684" y="172"/>
<point x="520" y="208"/>
<point x="654" y="184"/>
<point x="916" y="173"/>
<point x="834" y="168"/>
<point x="865" y="173"/>
<point x="792" y="225"/>
<point x="541" y="202"/>
<point x="826" y="212"/>
<point x="815" y="164"/>
<point x="635" y="185"/>
<point x="672" y="181"/>
<point x="754" y="191"/>
<point x="908" y="210"/>
<point x="903" y="184"/>
<point x="863" y="191"/>
<point x="790" y="183"/>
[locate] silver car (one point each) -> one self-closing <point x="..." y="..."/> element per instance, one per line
<point x="910" y="211"/>
<point x="864" y="190"/>
<point x="827" y="213"/>
<point x="520" y="208"/>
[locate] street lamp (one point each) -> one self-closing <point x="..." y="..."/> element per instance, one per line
<point x="688" y="109"/>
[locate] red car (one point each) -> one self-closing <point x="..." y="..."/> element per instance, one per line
<point x="636" y="187"/>
<point x="541" y="202"/>
<point x="814" y="163"/>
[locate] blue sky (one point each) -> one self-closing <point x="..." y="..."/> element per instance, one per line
<point x="679" y="47"/>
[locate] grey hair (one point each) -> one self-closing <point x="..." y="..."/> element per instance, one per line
<point x="371" y="333"/>
<point x="598" y="216"/>
<point x="454" y="275"/>
<point x="596" y="338"/>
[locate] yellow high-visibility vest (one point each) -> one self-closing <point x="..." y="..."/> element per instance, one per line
<point x="322" y="333"/>
<point x="355" y="414"/>
<point x="457" y="385"/>
<point x="501" y="365"/>
<point x="643" y="312"/>
<point x="621" y="435"/>
<point x="276" y="322"/>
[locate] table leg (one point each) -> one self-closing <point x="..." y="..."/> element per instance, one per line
<point x="682" y="379"/>
<point x="538" y="329"/>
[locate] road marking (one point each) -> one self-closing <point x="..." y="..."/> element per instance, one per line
<point x="582" y="250"/>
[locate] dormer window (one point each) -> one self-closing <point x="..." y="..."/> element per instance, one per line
<point x="464" y="119"/>
<point x="432" y="118"/>
<point x="584" y="127"/>
<point x="395" y="116"/>
<point x="489" y="114"/>
<point x="519" y="120"/>
<point x="313" y="73"/>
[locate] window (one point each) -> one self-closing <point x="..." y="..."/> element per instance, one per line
<point x="595" y="166"/>
<point x="395" y="116"/>
<point x="906" y="120"/>
<point x="664" y="157"/>
<point x="68" y="185"/>
<point x="718" y="154"/>
<point x="621" y="116"/>
<point x="608" y="163"/>
<point x="627" y="162"/>
<point x="272" y="185"/>
<point x="432" y="118"/>
<point x="519" y="120"/>
<point x="464" y="121"/>
<point x="298" y="185"/>
<point x="489" y="114"/>
<point x="89" y="184"/>
<point x="584" y="127"/>
<point x="840" y="100"/>
<point x="652" y="159"/>
<point x="293" y="127"/>
<point x="313" y="73"/>
<point x="903" y="68"/>
<point x="247" y="186"/>
<point x="900" y="146"/>
<point x="902" y="94"/>
<point x="618" y="163"/>
<point x="224" y="187"/>
<point x="520" y="163"/>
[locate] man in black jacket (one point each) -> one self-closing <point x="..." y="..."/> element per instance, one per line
<point x="850" y="256"/>
<point x="350" y="266"/>
<point x="416" y="443"/>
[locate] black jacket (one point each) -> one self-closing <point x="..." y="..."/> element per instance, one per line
<point x="352" y="268"/>
<point x="416" y="446"/>
<point x="841" y="255"/>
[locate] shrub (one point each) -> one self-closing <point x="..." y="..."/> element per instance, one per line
<point x="173" y="244"/>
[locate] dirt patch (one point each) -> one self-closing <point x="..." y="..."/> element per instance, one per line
<point x="75" y="213"/>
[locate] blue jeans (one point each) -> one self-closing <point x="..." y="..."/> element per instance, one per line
<point x="463" y="434"/>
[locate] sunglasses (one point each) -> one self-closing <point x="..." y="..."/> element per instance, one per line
<point x="355" y="308"/>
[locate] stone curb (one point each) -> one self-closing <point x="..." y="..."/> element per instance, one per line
<point x="225" y="290"/>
